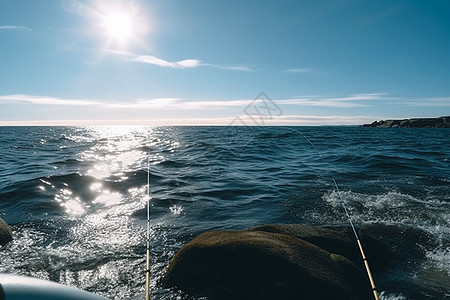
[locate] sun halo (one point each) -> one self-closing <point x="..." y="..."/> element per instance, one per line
<point x="118" y="26"/>
<point x="122" y="25"/>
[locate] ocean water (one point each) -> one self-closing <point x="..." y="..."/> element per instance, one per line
<point x="75" y="197"/>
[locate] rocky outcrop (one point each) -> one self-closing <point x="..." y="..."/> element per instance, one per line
<point x="5" y="233"/>
<point x="274" y="262"/>
<point x="441" y="122"/>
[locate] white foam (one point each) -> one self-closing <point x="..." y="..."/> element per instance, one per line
<point x="440" y="258"/>
<point x="392" y="207"/>
<point x="395" y="208"/>
<point x="385" y="296"/>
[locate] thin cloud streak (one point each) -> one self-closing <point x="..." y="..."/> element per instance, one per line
<point x="162" y="106"/>
<point x="182" y="64"/>
<point x="319" y="103"/>
<point x="361" y="97"/>
<point x="434" y="101"/>
<point x="156" y="103"/>
<point x="288" y="120"/>
<point x="153" y="60"/>
<point x="14" y="27"/>
<point x="48" y="100"/>
<point x="336" y="102"/>
<point x="235" y="68"/>
<point x="185" y="104"/>
<point x="299" y="70"/>
<point x="178" y="103"/>
<point x="305" y="70"/>
<point x="313" y="120"/>
<point x="45" y="100"/>
<point x="229" y="67"/>
<point x="146" y="103"/>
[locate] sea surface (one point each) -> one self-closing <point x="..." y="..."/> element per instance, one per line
<point x="76" y="197"/>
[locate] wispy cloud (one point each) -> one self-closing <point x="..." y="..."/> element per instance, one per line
<point x="146" y="103"/>
<point x="153" y="60"/>
<point x="229" y="67"/>
<point x="305" y="70"/>
<point x="182" y="64"/>
<point x="178" y="103"/>
<point x="356" y="100"/>
<point x="45" y="100"/>
<point x="433" y="101"/>
<point x="235" y="68"/>
<point x="14" y="27"/>
<point x="142" y="103"/>
<point x="361" y="97"/>
<point x="320" y="120"/>
<point x="288" y="120"/>
<point x="299" y="70"/>
<point x="160" y="108"/>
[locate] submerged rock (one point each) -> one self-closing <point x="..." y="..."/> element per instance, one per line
<point x="5" y="233"/>
<point x="271" y="262"/>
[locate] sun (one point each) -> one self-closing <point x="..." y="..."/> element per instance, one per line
<point x="121" y="24"/>
<point x="118" y="27"/>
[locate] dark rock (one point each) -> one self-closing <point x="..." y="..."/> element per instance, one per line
<point x="340" y="240"/>
<point x="5" y="233"/>
<point x="441" y="122"/>
<point x="271" y="262"/>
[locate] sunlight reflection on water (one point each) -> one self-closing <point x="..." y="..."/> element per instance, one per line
<point x="87" y="210"/>
<point x="100" y="199"/>
<point x="114" y="151"/>
<point x="72" y="205"/>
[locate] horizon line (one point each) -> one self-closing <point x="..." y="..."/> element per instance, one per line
<point x="287" y="120"/>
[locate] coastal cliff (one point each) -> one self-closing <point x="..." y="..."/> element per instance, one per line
<point x="441" y="122"/>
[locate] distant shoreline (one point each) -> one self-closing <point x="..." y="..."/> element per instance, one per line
<point x="440" y="122"/>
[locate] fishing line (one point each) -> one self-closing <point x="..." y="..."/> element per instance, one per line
<point x="147" y="273"/>
<point x="361" y="250"/>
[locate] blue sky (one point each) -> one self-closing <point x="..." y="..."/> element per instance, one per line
<point x="205" y="62"/>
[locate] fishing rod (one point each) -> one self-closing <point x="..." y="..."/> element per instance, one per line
<point x="366" y="262"/>
<point x="361" y="250"/>
<point x="147" y="272"/>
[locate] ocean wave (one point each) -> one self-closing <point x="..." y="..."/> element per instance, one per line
<point x="76" y="197"/>
<point x="391" y="207"/>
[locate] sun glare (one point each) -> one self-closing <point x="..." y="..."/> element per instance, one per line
<point x="122" y="24"/>
<point x="118" y="26"/>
